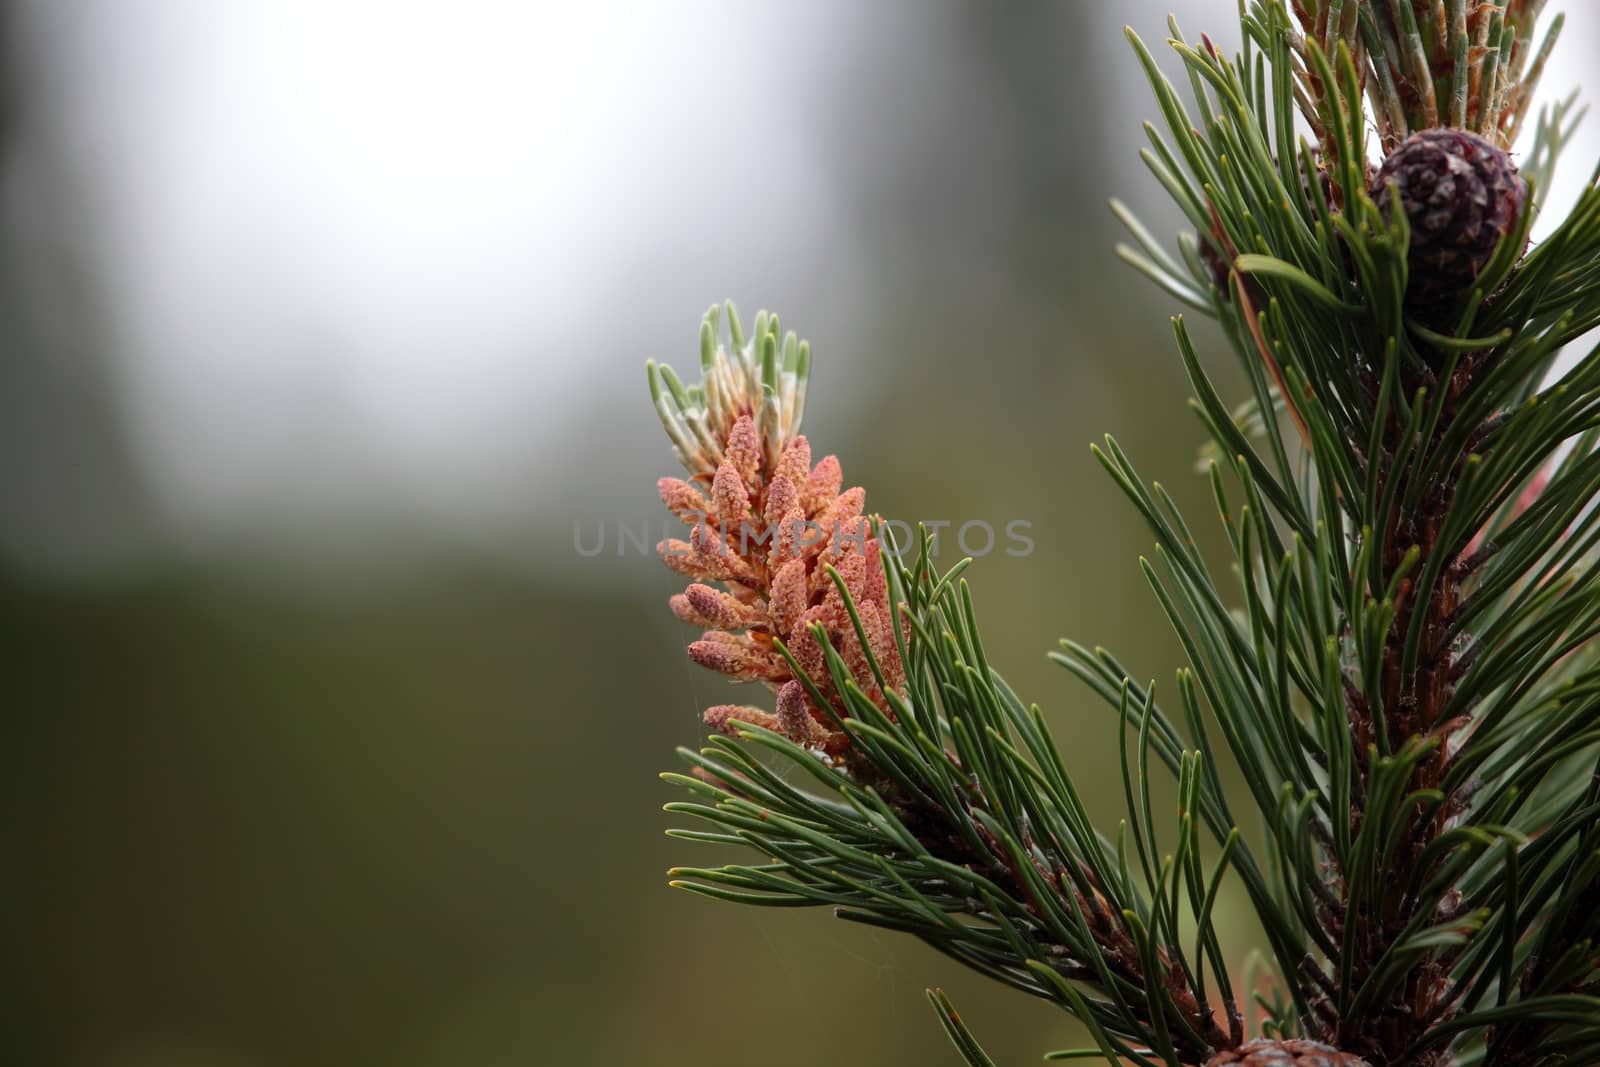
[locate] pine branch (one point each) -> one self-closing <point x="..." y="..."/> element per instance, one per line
<point x="943" y="810"/>
<point x="1400" y="659"/>
<point x="1428" y="451"/>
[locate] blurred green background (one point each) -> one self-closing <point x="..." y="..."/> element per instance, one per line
<point x="324" y="333"/>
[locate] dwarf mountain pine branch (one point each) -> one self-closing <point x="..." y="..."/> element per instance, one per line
<point x="1399" y="656"/>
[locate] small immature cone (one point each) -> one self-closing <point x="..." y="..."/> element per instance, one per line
<point x="1461" y="195"/>
<point x="1293" y="1052"/>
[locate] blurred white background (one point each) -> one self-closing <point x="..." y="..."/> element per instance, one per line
<point x="402" y="261"/>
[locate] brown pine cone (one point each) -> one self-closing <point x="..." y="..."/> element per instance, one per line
<point x="1462" y="195"/>
<point x="1290" y="1053"/>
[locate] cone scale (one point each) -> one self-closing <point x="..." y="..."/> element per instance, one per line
<point x="1289" y="1053"/>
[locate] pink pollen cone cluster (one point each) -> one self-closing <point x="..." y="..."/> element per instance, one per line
<point x="766" y="527"/>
